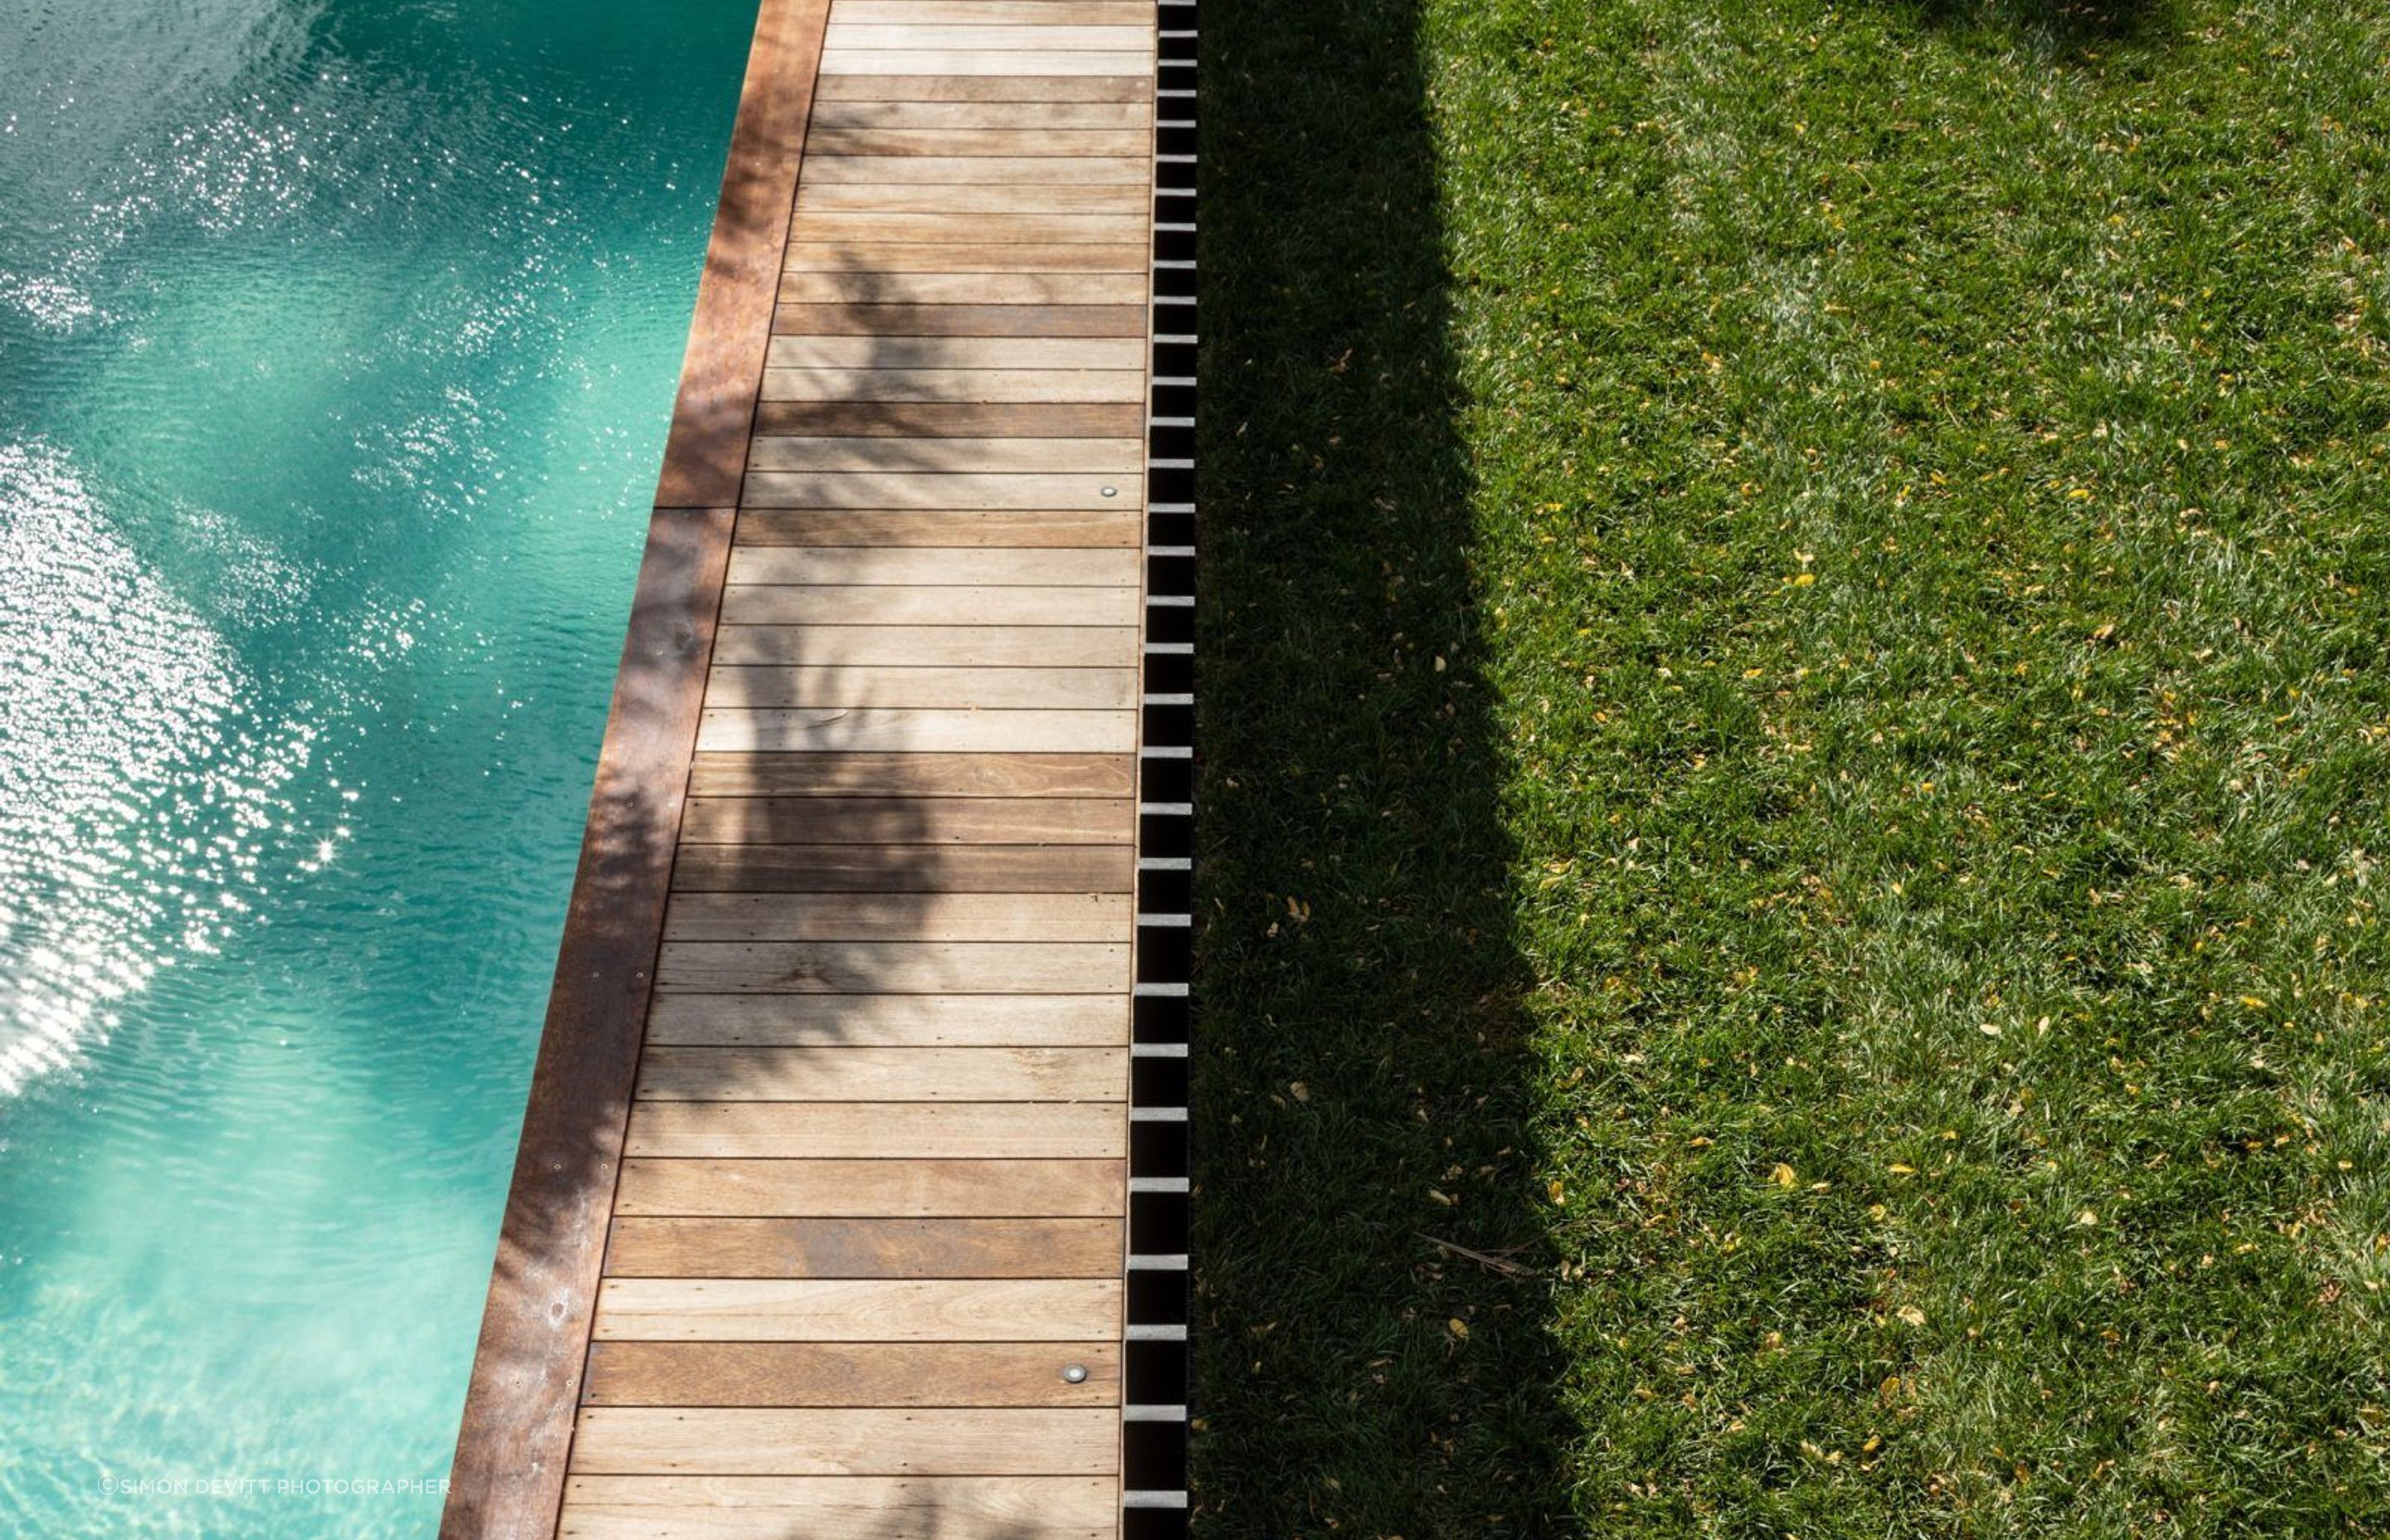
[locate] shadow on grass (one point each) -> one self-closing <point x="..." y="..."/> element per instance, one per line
<point x="1364" y="1091"/>
<point x="2064" y="23"/>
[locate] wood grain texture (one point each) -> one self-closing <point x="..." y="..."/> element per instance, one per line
<point x="968" y="197"/>
<point x="840" y="1507"/>
<point x="997" y="1442"/>
<point x="897" y="917"/>
<point x="984" y="688"/>
<point x="990" y="385"/>
<point x="925" y="731"/>
<point x="826" y="320"/>
<point x="887" y="775"/>
<point x="1059" y="529"/>
<point x="987" y="13"/>
<point x="859" y="1310"/>
<point x="692" y="1248"/>
<point x="906" y="1021"/>
<point x="908" y="820"/>
<point x="988" y="88"/>
<point x="994" y="569"/>
<point x="906" y="868"/>
<point x="840" y="1072"/>
<point x="879" y="1131"/>
<point x="849" y="1374"/>
<point x="982" y="114"/>
<point x="833" y="1188"/>
<point x="922" y="35"/>
<point x="950" y="420"/>
<point x="511" y="1447"/>
<point x="932" y="604"/>
<point x="994" y="647"/>
<point x="882" y="254"/>
<point x="890" y="968"/>
<point x="1083" y="142"/>
<point x="1019" y="171"/>
<point x="958" y="352"/>
<point x="841" y="284"/>
<point x="980" y="457"/>
<point x="1077" y="491"/>
<point x="986" y="61"/>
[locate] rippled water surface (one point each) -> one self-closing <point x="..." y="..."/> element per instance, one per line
<point x="337" y="342"/>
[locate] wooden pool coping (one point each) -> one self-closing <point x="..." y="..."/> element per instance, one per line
<point x="509" y="1469"/>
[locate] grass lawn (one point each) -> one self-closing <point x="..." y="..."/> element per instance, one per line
<point x="1798" y="744"/>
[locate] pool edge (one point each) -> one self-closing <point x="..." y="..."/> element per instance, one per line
<point x="515" y="1437"/>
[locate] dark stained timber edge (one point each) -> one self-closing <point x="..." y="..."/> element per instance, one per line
<point x="721" y="373"/>
<point x="517" y="1429"/>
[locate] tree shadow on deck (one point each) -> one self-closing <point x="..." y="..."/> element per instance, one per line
<point x="1364" y="1101"/>
<point x="813" y="847"/>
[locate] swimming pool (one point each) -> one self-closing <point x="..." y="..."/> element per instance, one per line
<point x="337" y="343"/>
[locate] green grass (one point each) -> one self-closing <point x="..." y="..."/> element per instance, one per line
<point x="1797" y="741"/>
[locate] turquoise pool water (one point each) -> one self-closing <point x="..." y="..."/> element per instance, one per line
<point x="337" y="342"/>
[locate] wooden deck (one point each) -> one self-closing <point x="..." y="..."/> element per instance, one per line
<point x="822" y="1220"/>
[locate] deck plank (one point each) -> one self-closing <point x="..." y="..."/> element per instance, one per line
<point x="944" y="320"/>
<point x="973" y="385"/>
<point x="1083" y="142"/>
<point x="777" y="1442"/>
<point x="888" y="968"/>
<point x="1025" y="355"/>
<point x="995" y="569"/>
<point x="944" y="283"/>
<point x="910" y="820"/>
<point x="839" y="1507"/>
<point x="1003" y="527"/>
<point x="928" y="34"/>
<point x="897" y="775"/>
<point x="864" y="1249"/>
<point x="842" y="1074"/>
<point x="987" y="88"/>
<point x="927" y="730"/>
<point x="859" y="1310"/>
<point x="904" y="870"/>
<point x="891" y="1020"/>
<point x="982" y="456"/>
<point x="1019" y="171"/>
<point x="817" y="1187"/>
<point x="849" y="1374"/>
<point x="998" y="688"/>
<point x="1076" y="491"/>
<point x="1073" y="13"/>
<point x="966" y="61"/>
<point x="965" y="198"/>
<point x="896" y="917"/>
<point x="891" y="647"/>
<point x="924" y="420"/>
<point x="984" y="114"/>
<point x="827" y="604"/>
<point x="879" y="1131"/>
